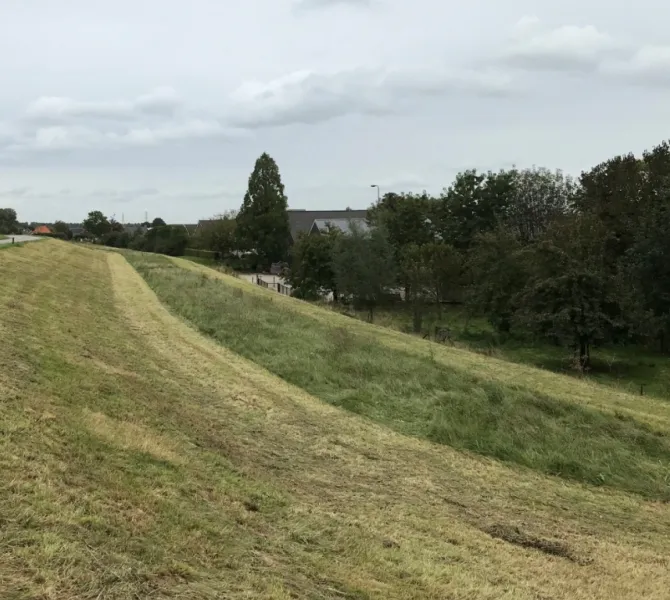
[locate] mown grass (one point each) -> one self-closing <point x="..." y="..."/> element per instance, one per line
<point x="413" y="393"/>
<point x="141" y="459"/>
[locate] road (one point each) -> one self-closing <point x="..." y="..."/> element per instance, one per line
<point x="20" y="239"/>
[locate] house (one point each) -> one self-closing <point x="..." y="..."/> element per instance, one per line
<point x="344" y="225"/>
<point x="204" y="223"/>
<point x="190" y="228"/>
<point x="41" y="230"/>
<point x="302" y="221"/>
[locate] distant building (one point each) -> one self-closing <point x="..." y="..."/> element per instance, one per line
<point x="41" y="230"/>
<point x="302" y="221"/>
<point x="191" y="228"/>
<point x="344" y="225"/>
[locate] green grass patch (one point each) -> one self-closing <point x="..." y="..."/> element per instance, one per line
<point x="414" y="394"/>
<point x="632" y="369"/>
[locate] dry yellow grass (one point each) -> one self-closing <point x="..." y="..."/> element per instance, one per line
<point x="246" y="487"/>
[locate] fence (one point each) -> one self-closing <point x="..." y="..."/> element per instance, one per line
<point x="276" y="286"/>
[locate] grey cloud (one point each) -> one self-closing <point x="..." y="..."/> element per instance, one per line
<point x="307" y="5"/>
<point x="564" y="48"/>
<point x="15" y="192"/>
<point x="308" y="97"/>
<point x="76" y="137"/>
<point x="161" y="101"/>
<point x="648" y="65"/>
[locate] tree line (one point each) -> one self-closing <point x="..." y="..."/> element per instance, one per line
<point x="573" y="261"/>
<point x="576" y="262"/>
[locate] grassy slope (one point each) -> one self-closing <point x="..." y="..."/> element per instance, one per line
<point x="140" y="459"/>
<point x="409" y="389"/>
<point x="628" y="368"/>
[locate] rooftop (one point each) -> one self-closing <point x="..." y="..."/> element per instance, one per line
<point x="301" y="220"/>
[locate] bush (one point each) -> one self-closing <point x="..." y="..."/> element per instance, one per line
<point x="56" y="235"/>
<point x="116" y="239"/>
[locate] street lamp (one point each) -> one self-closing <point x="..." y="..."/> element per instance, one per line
<point x="374" y="185"/>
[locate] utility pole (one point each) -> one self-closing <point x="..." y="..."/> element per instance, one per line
<point x="374" y="185"/>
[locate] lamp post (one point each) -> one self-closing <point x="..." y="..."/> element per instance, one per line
<point x="374" y="185"/>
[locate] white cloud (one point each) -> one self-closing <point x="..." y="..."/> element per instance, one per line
<point x="568" y="47"/>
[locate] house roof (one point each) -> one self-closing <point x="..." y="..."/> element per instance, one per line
<point x="344" y="225"/>
<point x="301" y="221"/>
<point x="42" y="229"/>
<point x="190" y="227"/>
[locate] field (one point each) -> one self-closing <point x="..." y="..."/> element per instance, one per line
<point x="279" y="456"/>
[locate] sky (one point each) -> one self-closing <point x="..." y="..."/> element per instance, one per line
<point x="162" y="106"/>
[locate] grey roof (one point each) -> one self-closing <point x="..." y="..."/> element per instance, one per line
<point x="301" y="221"/>
<point x="344" y="225"/>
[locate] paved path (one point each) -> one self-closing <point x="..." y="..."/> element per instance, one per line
<point x="20" y="239"/>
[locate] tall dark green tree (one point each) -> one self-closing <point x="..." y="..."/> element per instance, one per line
<point x="263" y="218"/>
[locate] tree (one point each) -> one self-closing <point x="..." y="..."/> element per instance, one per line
<point x="311" y="274"/>
<point x="497" y="273"/>
<point x="475" y="203"/>
<point x="364" y="267"/>
<point x="646" y="269"/>
<point x="614" y="193"/>
<point x="158" y="222"/>
<point x="415" y="270"/>
<point x="263" y="218"/>
<point x="570" y="296"/>
<point x="8" y="221"/>
<point x="117" y="239"/>
<point x="97" y="223"/>
<point x="171" y="240"/>
<point x="444" y="265"/>
<point x="405" y="217"/>
<point x="572" y="302"/>
<point x="115" y="226"/>
<point x="220" y="236"/>
<point x="537" y="198"/>
<point x="62" y="228"/>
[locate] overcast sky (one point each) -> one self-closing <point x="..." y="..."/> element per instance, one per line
<point x="164" y="105"/>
